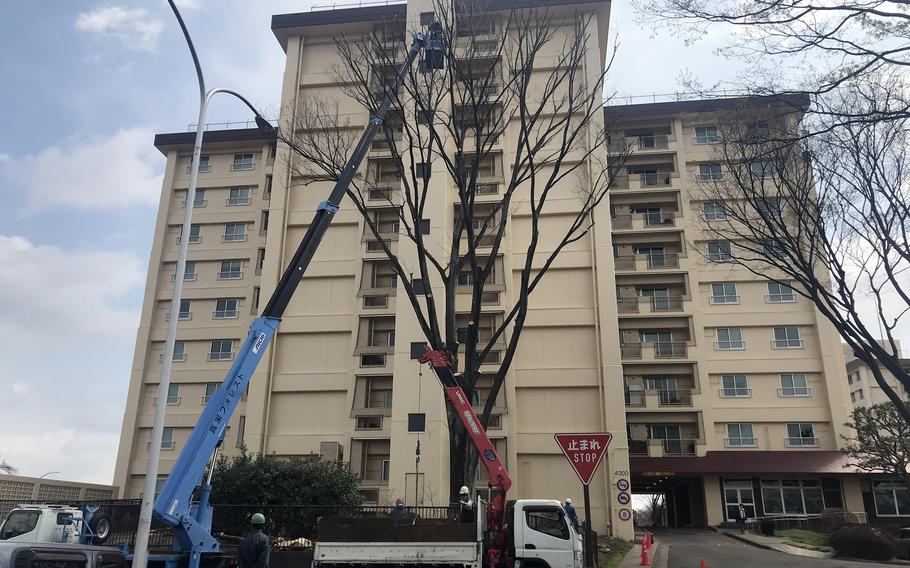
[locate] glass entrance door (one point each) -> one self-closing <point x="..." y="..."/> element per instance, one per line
<point x="738" y="491"/>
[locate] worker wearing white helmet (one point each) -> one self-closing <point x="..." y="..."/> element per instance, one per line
<point x="465" y="505"/>
<point x="570" y="512"/>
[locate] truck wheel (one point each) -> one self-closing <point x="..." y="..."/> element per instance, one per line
<point x="101" y="527"/>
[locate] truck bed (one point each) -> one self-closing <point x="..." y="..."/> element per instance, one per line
<point x="351" y="541"/>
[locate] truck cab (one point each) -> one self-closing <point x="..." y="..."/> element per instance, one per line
<point x="542" y="535"/>
<point x="55" y="523"/>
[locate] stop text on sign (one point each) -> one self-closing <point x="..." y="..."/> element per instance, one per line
<point x="584" y="452"/>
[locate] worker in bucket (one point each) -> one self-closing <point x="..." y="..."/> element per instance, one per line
<point x="255" y="547"/>
<point x="399" y="511"/>
<point x="570" y="512"/>
<point x="465" y="505"/>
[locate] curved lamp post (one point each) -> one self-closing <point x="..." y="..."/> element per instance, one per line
<point x="140" y="557"/>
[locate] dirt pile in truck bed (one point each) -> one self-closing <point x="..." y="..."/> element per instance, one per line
<point x="348" y="529"/>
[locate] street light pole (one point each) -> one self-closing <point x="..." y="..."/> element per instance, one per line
<point x="140" y="555"/>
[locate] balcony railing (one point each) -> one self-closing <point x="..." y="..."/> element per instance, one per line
<point x="676" y="447"/>
<point x="637" y="262"/>
<point x="234" y="201"/>
<point x="659" y="179"/>
<point x="740" y="442"/>
<point x="641" y="143"/>
<point x="801" y="442"/>
<point x="674" y="397"/>
<point x="225" y="314"/>
<point x="645" y="220"/>
<point x="638" y="447"/>
<point x="780" y="298"/>
<point x="794" y="392"/>
<point x="735" y="392"/>
<point x="661" y="350"/>
<point x="707" y="177"/>
<point x="220" y="356"/>
<point x="203" y="168"/>
<point x="787" y="344"/>
<point x="723" y="299"/>
<point x="242" y="166"/>
<point x="657" y="304"/>
<point x="194" y="239"/>
<point x="230" y="275"/>
<point x="635" y="398"/>
<point x="197" y="204"/>
<point x="233" y="237"/>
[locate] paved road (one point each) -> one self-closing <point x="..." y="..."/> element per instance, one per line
<point x="689" y="547"/>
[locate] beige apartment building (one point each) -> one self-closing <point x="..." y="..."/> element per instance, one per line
<point x="718" y="387"/>
<point x="864" y="390"/>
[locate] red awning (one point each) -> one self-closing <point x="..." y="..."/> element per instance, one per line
<point x="746" y="463"/>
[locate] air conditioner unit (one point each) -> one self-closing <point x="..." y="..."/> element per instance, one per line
<point x="331" y="451"/>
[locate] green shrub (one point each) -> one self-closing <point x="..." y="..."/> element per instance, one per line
<point x="862" y="542"/>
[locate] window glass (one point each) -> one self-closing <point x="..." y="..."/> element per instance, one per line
<point x="714" y="211"/>
<point x="18" y="523"/>
<point x="885" y="499"/>
<point x="547" y="521"/>
<point x="719" y="251"/>
<point x="724" y="293"/>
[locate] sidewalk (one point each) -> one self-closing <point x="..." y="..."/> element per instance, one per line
<point x="772" y="543"/>
<point x="659" y="556"/>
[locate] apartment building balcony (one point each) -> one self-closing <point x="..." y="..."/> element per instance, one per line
<point x="690" y="447"/>
<point x="375" y="335"/>
<point x="644" y="221"/>
<point x="668" y="398"/>
<point x="642" y="143"/>
<point x="647" y="181"/>
<point x="372" y="396"/>
<point x="648" y="351"/>
<point x="643" y="262"/>
<point x="387" y="224"/>
<point x="649" y="305"/>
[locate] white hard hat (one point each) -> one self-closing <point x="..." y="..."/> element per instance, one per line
<point x="568" y="500"/>
<point x="464" y="490"/>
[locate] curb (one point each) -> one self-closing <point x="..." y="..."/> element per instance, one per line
<point x="746" y="540"/>
<point x="782" y="547"/>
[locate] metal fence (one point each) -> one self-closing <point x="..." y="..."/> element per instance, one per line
<point x="826" y="522"/>
<point x="289" y="526"/>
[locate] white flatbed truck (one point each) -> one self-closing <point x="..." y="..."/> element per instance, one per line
<point x="540" y="536"/>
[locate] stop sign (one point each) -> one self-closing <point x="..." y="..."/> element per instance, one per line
<point x="584" y="452"/>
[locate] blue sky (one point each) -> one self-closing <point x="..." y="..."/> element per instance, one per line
<point x="88" y="84"/>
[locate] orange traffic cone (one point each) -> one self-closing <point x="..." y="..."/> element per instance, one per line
<point x="703" y="565"/>
<point x="645" y="561"/>
<point x="650" y="540"/>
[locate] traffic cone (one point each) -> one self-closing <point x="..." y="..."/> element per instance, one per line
<point x="703" y="565"/>
<point x="645" y="561"/>
<point x="650" y="540"/>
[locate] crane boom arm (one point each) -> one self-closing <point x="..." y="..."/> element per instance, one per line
<point x="192" y="522"/>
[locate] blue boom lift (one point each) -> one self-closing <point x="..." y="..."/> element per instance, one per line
<point x="192" y="522"/>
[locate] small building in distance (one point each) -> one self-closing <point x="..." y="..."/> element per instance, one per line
<point x="16" y="489"/>
<point x="864" y="390"/>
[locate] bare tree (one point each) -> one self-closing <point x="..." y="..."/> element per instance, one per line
<point x="513" y="124"/>
<point x="828" y="215"/>
<point x="7" y="468"/>
<point x="821" y="47"/>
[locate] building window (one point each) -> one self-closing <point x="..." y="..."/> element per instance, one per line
<point x="729" y="338"/>
<point x="773" y="249"/>
<point x="793" y="384"/>
<point x="465" y="278"/>
<point x="860" y="392"/>
<point x="241" y="430"/>
<point x="205" y="164"/>
<point x="762" y="169"/>
<point x="706" y="135"/>
<point x="709" y="172"/>
<point x="173" y="394"/>
<point x="800" y="434"/>
<point x="661" y="383"/>
<point x="787" y="337"/>
<point x="770" y="206"/>
<point x="195" y="234"/>
<point x="225" y="308"/>
<point x="189" y="272"/>
<point x="222" y="350"/>
<point x="740" y="435"/>
<point x="368" y="423"/>
<point x="378" y="392"/>
<point x="853" y="397"/>
<point x="234" y="232"/>
<point x="179" y="351"/>
<point x="779" y="293"/>
<point x="792" y="496"/>
<point x="167" y="439"/>
<point x="239" y="196"/>
<point x="210" y="390"/>
<point x="739" y="492"/>
<point x="230" y="270"/>
<point x="735" y="386"/>
<point x="720" y="251"/>
<point x="184" y="313"/>
<point x="242" y="162"/>
<point x="724" y="293"/>
<point x="198" y="199"/>
<point x="892" y="498"/>
<point x="714" y="210"/>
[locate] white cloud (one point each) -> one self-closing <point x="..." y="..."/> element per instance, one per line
<point x="4" y="157"/>
<point x="21" y="388"/>
<point x="133" y="27"/>
<point x="75" y="453"/>
<point x="189" y="4"/>
<point x="117" y="171"/>
<point x="48" y="294"/>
